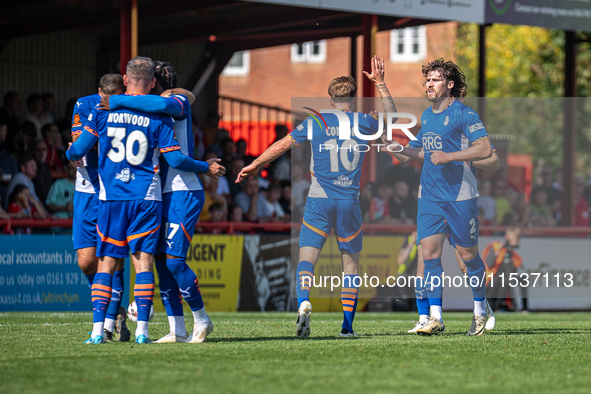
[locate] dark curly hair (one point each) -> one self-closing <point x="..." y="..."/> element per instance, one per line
<point x="451" y="72"/>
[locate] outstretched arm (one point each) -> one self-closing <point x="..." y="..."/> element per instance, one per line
<point x="377" y="77"/>
<point x="184" y="163"/>
<point x="272" y="152"/>
<point x="149" y="103"/>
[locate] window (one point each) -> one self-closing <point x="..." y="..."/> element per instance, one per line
<point x="239" y="64"/>
<point x="408" y="44"/>
<point x="309" y="52"/>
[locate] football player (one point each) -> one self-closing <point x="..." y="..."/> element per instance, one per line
<point x="86" y="203"/>
<point x="130" y="206"/>
<point x="183" y="199"/>
<point x="333" y="199"/>
<point x="451" y="136"/>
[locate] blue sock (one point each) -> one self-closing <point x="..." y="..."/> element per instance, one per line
<point x="187" y="282"/>
<point x="349" y="294"/>
<point x="143" y="292"/>
<point x="305" y="276"/>
<point x="476" y="270"/>
<point x="101" y="295"/>
<point x="90" y="279"/>
<point x="117" y="288"/>
<point x="169" y="290"/>
<point x="434" y="269"/>
<point x="422" y="298"/>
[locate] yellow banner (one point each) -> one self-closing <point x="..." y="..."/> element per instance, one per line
<point x="379" y="258"/>
<point x="217" y="261"/>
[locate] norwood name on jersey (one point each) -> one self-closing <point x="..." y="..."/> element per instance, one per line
<point x="128" y="118"/>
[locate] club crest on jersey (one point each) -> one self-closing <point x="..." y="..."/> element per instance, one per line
<point x="431" y="141"/>
<point x="125" y="175"/>
<point x="446" y="121"/>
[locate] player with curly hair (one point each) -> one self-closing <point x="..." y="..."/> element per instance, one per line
<point x="452" y="136"/>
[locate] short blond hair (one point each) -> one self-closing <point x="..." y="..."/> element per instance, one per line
<point x="342" y="88"/>
<point x="514" y="230"/>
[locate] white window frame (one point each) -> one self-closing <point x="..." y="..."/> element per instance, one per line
<point x="407" y="41"/>
<point x="308" y="56"/>
<point x="239" y="71"/>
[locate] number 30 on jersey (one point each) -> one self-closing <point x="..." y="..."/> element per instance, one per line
<point x="120" y="150"/>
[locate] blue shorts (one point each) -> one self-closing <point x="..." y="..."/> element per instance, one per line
<point x="128" y="225"/>
<point x="84" y="221"/>
<point x="457" y="219"/>
<point x="180" y="212"/>
<point x="323" y="214"/>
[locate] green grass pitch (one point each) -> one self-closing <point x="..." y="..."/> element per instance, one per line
<point x="258" y="353"/>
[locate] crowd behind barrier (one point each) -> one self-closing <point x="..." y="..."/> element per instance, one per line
<point x="37" y="181"/>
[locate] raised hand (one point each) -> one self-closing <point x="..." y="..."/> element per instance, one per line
<point x="215" y="170"/>
<point x="377" y="70"/>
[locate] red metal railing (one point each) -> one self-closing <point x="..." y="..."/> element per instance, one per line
<point x="368" y="229"/>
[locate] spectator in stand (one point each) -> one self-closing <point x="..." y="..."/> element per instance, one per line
<point x="43" y="179"/>
<point x="501" y="202"/>
<point x="379" y="208"/>
<point x="298" y="185"/>
<point x="8" y="167"/>
<point x="512" y="217"/>
<point x="280" y="168"/>
<point x="227" y="146"/>
<point x="365" y="197"/>
<point x="33" y="113"/>
<point x="285" y="199"/>
<point x="216" y="213"/>
<point x="553" y="194"/>
<point x="210" y="187"/>
<point x="53" y="141"/>
<point x="28" y="170"/>
<point x="22" y="140"/>
<point x="234" y="169"/>
<point x="581" y="208"/>
<point x="211" y="127"/>
<point x="241" y="152"/>
<point x="488" y="204"/>
<point x="47" y="106"/>
<point x="539" y="212"/>
<point x="248" y="199"/>
<point x="268" y="207"/>
<point x="3" y="214"/>
<point x="403" y="210"/>
<point x="65" y="123"/>
<point x="22" y="205"/>
<point x="235" y="214"/>
<point x="60" y="200"/>
<point x="220" y="135"/>
<point x="9" y="112"/>
<point x="198" y="142"/>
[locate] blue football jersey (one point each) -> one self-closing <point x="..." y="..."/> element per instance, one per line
<point x="179" y="107"/>
<point x="130" y="143"/>
<point x="455" y="128"/>
<point x="335" y="164"/>
<point x="87" y="180"/>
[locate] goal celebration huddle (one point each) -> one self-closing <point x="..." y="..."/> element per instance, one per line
<point x="137" y="192"/>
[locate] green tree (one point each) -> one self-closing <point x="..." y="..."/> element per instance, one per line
<point x="528" y="62"/>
